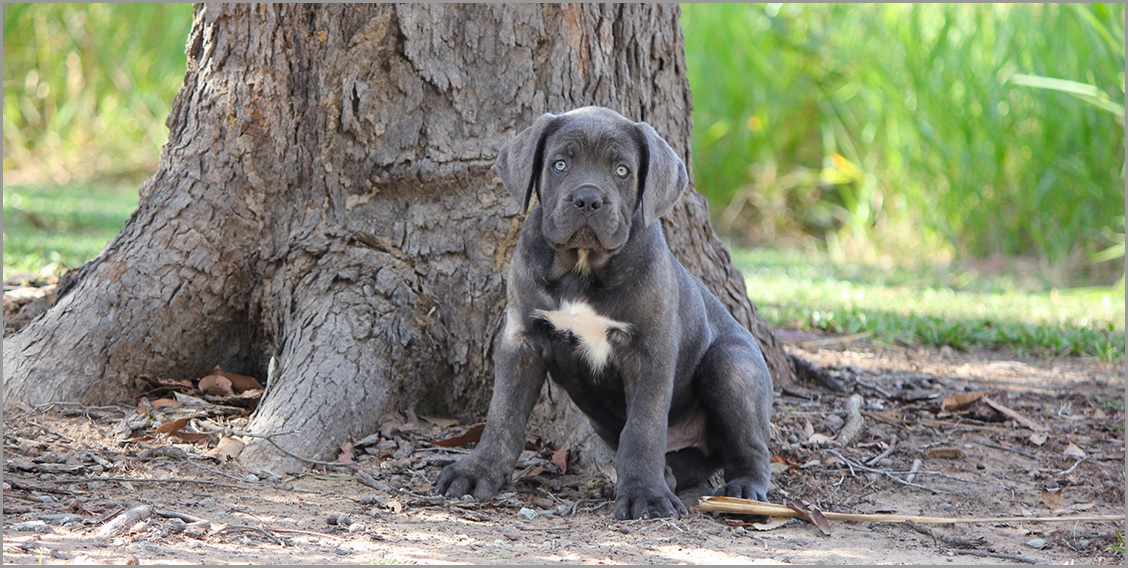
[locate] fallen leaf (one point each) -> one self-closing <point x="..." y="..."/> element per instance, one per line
<point x="962" y="401"/>
<point x="173" y="429"/>
<point x="1053" y="498"/>
<point x="1038" y="438"/>
<point x="819" y="439"/>
<point x="173" y="426"/>
<point x="346" y="454"/>
<point x="470" y="436"/>
<point x="560" y="458"/>
<point x="1074" y="451"/>
<point x="218" y="385"/>
<point x="810" y="513"/>
<point x="165" y="403"/>
<point x="227" y="449"/>
<point x="780" y="464"/>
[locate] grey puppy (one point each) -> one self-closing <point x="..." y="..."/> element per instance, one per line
<point x="597" y="301"/>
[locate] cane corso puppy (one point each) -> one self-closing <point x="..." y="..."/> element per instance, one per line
<point x="597" y="301"/>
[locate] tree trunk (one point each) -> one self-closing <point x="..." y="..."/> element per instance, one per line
<point x="324" y="214"/>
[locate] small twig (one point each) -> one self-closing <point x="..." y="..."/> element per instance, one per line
<point x="1004" y="448"/>
<point x="143" y="480"/>
<point x="885" y="454"/>
<point x="874" y="387"/>
<point x="913" y="470"/>
<point x="51" y="430"/>
<point x="217" y="472"/>
<point x="307" y="460"/>
<point x="277" y="539"/>
<point x="1072" y="467"/>
<point x="885" y="473"/>
<point x="965" y="543"/>
<point x="1013" y="557"/>
<point x="175" y="515"/>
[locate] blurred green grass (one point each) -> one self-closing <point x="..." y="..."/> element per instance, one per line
<point x="961" y="309"/>
<point x="915" y="131"/>
<point x="61" y="224"/>
<point x="896" y="146"/>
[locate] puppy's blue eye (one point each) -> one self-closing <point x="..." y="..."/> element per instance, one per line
<point x="560" y="165"/>
<point x="622" y="171"/>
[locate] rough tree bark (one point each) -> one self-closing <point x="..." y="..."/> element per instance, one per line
<point x="324" y="214"/>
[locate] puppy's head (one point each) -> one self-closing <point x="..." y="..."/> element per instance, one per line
<point x="595" y="173"/>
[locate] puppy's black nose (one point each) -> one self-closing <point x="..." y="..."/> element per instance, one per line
<point x="587" y="203"/>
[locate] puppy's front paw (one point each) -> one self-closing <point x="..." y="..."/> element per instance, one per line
<point x="470" y="477"/>
<point x="752" y="487"/>
<point x="644" y="502"/>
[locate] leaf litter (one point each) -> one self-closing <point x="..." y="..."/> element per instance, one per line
<point x="81" y="472"/>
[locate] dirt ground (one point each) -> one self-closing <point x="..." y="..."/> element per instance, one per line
<point x="101" y="486"/>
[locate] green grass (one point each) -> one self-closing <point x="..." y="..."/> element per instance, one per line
<point x="63" y="224"/>
<point x="894" y="130"/>
<point x="963" y="310"/>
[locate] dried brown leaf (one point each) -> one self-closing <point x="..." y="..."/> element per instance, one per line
<point x="346" y="453"/>
<point x="173" y="426"/>
<point x="810" y="513"/>
<point x="165" y="403"/>
<point x="1039" y="438"/>
<point x="470" y="436"/>
<point x="959" y="402"/>
<point x="227" y="449"/>
<point x="217" y="385"/>
<point x="560" y="458"/>
<point x="1074" y="451"/>
<point x="1053" y="498"/>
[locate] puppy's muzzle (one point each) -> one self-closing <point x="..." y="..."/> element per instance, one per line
<point x="587" y="201"/>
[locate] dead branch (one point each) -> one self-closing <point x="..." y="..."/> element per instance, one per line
<point x="735" y="505"/>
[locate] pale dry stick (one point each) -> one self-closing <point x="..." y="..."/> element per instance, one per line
<point x="892" y="446"/>
<point x="854" y="421"/>
<point x="882" y="472"/>
<point x="277" y="539"/>
<point x="913" y="470"/>
<point x="1073" y="467"/>
<point x="175" y="515"/>
<point x="739" y="506"/>
<point x="1014" y="557"/>
<point x="51" y="430"/>
<point x="120" y="523"/>
<point x="1015" y="450"/>
<point x="144" y="480"/>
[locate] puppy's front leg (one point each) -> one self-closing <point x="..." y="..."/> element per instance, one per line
<point x="642" y="492"/>
<point x="519" y="374"/>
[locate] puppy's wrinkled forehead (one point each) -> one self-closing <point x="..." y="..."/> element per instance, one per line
<point x="598" y="130"/>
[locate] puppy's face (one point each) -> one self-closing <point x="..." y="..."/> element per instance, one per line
<point x="589" y="183"/>
<point x="595" y="173"/>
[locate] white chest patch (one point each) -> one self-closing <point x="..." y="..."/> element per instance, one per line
<point x="589" y="327"/>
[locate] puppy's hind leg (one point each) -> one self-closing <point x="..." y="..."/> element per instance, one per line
<point x="735" y="388"/>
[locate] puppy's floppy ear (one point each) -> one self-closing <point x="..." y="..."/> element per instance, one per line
<point x="519" y="161"/>
<point x="663" y="175"/>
